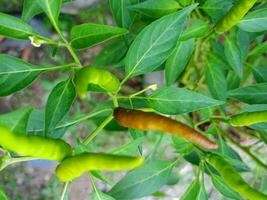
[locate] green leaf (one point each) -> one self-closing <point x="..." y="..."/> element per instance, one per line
<point x="197" y="28"/>
<point x="223" y="188"/>
<point x="111" y="54"/>
<point x="153" y="44"/>
<point x="181" y="145"/>
<point x="32" y="8"/>
<point x="100" y="176"/>
<point x="202" y="194"/>
<point x="123" y="16"/>
<point x="216" y="9"/>
<point x="255" y="21"/>
<point x="58" y="104"/>
<point x="233" y="81"/>
<point x="173" y="101"/>
<point x="178" y="60"/>
<point x="51" y="9"/>
<point x="216" y="80"/>
<point x="99" y="195"/>
<point x="3" y="195"/>
<point x="129" y="149"/>
<point x="137" y="134"/>
<point x="156" y="8"/>
<point x="260" y="74"/>
<point x="192" y="191"/>
<point x="36" y="125"/>
<point x="253" y="94"/>
<point x="259" y="49"/>
<point x="143" y="181"/>
<point x="16" y="120"/>
<point x="233" y="54"/>
<point x="15" y="74"/>
<point x="89" y="34"/>
<point x="14" y="27"/>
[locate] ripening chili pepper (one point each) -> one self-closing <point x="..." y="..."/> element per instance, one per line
<point x="73" y="167"/>
<point x="34" y="146"/>
<point x="150" y="121"/>
<point x="236" y="13"/>
<point x="248" y="118"/>
<point x="97" y="76"/>
<point x="233" y="178"/>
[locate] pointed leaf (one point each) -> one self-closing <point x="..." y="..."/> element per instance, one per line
<point x="156" y="8"/>
<point x="223" y="188"/>
<point x="197" y="29"/>
<point x="143" y="181"/>
<point x="178" y="60"/>
<point x="260" y="74"/>
<point x="253" y="94"/>
<point x="58" y="104"/>
<point x="192" y="191"/>
<point x="51" y="9"/>
<point x="88" y="35"/>
<point x="16" y="120"/>
<point x="216" y="80"/>
<point x="173" y="101"/>
<point x="15" y="74"/>
<point x="154" y="43"/>
<point x="14" y="27"/>
<point x="233" y="54"/>
<point x="255" y="21"/>
<point x="122" y="14"/>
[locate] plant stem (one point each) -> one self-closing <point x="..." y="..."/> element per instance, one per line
<point x="10" y="161"/>
<point x="150" y="87"/>
<point x="97" y="130"/>
<point x="64" y="191"/>
<point x="248" y="152"/>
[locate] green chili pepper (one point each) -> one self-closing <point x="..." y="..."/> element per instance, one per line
<point x="34" y="146"/>
<point x="233" y="178"/>
<point x="97" y="76"/>
<point x="236" y="13"/>
<point x="249" y="118"/>
<point x="73" y="167"/>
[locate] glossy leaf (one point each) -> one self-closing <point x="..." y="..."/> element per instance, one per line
<point x="197" y="29"/>
<point x="173" y="101"/>
<point x="192" y="191"/>
<point x="143" y="181"/>
<point x="14" y="27"/>
<point x="216" y="9"/>
<point x="233" y="54"/>
<point x="36" y="125"/>
<point x="154" y="43"/>
<point x="255" y="21"/>
<point x="181" y="145"/>
<point x="216" y="80"/>
<point x="259" y="49"/>
<point x="260" y="74"/>
<point x="88" y="35"/>
<point x="32" y="8"/>
<point x="16" y="120"/>
<point x="223" y="188"/>
<point x="111" y="54"/>
<point x="58" y="104"/>
<point x="51" y="9"/>
<point x="253" y="94"/>
<point x="121" y="11"/>
<point x="156" y="8"/>
<point x="178" y="60"/>
<point x="15" y="74"/>
<point x="3" y="195"/>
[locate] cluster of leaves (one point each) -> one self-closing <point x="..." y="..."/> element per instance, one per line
<point x="220" y="74"/>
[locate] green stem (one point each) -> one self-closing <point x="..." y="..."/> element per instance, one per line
<point x="150" y="87"/>
<point x="248" y="152"/>
<point x="64" y="191"/>
<point x="10" y="161"/>
<point x="97" y="130"/>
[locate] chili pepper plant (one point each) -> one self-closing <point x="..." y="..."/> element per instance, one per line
<point x="212" y="99"/>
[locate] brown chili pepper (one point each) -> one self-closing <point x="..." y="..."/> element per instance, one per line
<point x="137" y="119"/>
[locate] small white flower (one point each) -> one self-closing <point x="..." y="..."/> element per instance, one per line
<point x="35" y="41"/>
